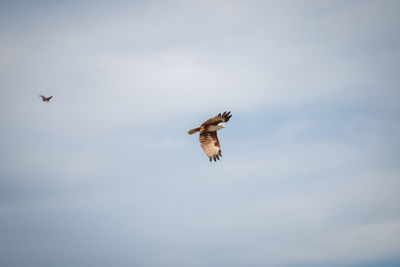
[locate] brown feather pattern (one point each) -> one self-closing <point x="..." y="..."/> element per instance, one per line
<point x="224" y="117"/>
<point x="210" y="144"/>
<point x="209" y="140"/>
<point x="45" y="99"/>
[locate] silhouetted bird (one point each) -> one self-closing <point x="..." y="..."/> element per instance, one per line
<point x="46" y="99"/>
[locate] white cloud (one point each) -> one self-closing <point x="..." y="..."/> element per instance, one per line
<point x="125" y="63"/>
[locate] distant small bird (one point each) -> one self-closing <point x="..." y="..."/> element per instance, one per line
<point x="45" y="99"/>
<point x="208" y="135"/>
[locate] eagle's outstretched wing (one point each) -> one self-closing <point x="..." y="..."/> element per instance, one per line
<point x="210" y="144"/>
<point x="224" y="117"/>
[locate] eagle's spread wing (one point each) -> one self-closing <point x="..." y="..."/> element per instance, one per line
<point x="224" y="117"/>
<point x="50" y="97"/>
<point x="210" y="144"/>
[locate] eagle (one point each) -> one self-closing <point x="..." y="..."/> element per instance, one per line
<point x="45" y="99"/>
<point x="208" y="135"/>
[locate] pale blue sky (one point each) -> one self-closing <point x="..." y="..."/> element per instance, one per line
<point x="106" y="175"/>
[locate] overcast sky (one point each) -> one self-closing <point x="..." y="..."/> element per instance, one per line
<point x="106" y="175"/>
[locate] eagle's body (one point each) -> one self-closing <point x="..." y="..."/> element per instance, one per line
<point x="208" y="135"/>
<point x="214" y="128"/>
<point x="45" y="99"/>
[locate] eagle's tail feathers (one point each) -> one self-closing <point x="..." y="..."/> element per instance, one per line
<point x="195" y="130"/>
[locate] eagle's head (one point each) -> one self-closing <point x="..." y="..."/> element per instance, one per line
<point x="221" y="125"/>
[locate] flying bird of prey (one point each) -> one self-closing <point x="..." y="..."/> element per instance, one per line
<point x="45" y="99"/>
<point x="208" y="135"/>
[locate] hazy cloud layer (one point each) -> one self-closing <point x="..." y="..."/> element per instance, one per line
<point x="105" y="174"/>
